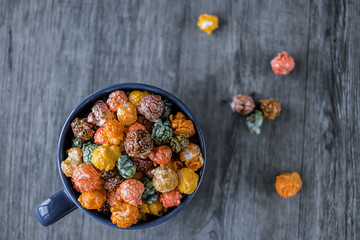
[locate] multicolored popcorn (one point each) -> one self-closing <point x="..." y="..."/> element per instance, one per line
<point x="159" y="163"/>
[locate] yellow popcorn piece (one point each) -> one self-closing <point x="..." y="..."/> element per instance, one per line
<point x="208" y="23"/>
<point x="105" y="157"/>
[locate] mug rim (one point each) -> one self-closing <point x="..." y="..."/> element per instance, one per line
<point x="92" y="98"/>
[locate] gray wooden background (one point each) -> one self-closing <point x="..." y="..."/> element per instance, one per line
<point x="55" y="53"/>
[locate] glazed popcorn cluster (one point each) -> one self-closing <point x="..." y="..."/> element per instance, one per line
<point x="132" y="157"/>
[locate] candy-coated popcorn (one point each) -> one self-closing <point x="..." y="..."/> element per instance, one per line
<point x="136" y="126"/>
<point x="76" y="143"/>
<point x="112" y="133"/>
<point x="156" y="208"/>
<point x="105" y="156"/>
<point x="93" y="199"/>
<point x="112" y="197"/>
<point x="123" y="214"/>
<point x="131" y="191"/>
<point x="111" y="184"/>
<point x="161" y="155"/>
<point x="100" y="114"/>
<point x="175" y="165"/>
<point x="136" y="96"/>
<point x="87" y="149"/>
<point x="242" y="104"/>
<point x="138" y="175"/>
<point x="179" y="142"/>
<point x="144" y="165"/>
<point x="182" y="125"/>
<point x="188" y="180"/>
<point x="85" y="178"/>
<point x="115" y="99"/>
<point x="165" y="179"/>
<point x="282" y="64"/>
<point x="171" y="199"/>
<point x="82" y="129"/>
<point x="192" y="157"/>
<point x="162" y="132"/>
<point x="127" y="114"/>
<point x="270" y="108"/>
<point x="151" y="107"/>
<point x="167" y="110"/>
<point x="149" y="195"/>
<point x="254" y="121"/>
<point x="73" y="160"/>
<point x="138" y="144"/>
<point x="288" y="184"/>
<point x="208" y="23"/>
<point x="126" y="167"/>
<point x="146" y="123"/>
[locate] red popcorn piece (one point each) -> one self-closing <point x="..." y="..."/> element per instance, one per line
<point x="151" y="107"/>
<point x="171" y="199"/>
<point x="99" y="136"/>
<point x="136" y="126"/>
<point x="161" y="155"/>
<point x="85" y="178"/>
<point x="112" y="197"/>
<point x="282" y="64"/>
<point x="100" y="114"/>
<point x="115" y="99"/>
<point x="131" y="191"/>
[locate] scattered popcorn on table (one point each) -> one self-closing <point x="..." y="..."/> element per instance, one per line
<point x="100" y="114"/>
<point x="254" y="121"/>
<point x="288" y="184"/>
<point x="208" y="23"/>
<point x="151" y="107"/>
<point x="242" y="104"/>
<point x="105" y="157"/>
<point x="182" y="125"/>
<point x="131" y="191"/>
<point x="115" y="99"/>
<point x="171" y="199"/>
<point x="85" y="178"/>
<point x="123" y="214"/>
<point x="161" y="155"/>
<point x="192" y="157"/>
<point x="270" y="108"/>
<point x="165" y="179"/>
<point x="188" y="180"/>
<point x="73" y="160"/>
<point x="128" y="188"/>
<point x="282" y="64"/>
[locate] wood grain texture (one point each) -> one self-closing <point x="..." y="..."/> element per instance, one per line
<point x="55" y="53"/>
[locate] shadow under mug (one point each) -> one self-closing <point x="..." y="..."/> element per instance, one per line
<point x="65" y="200"/>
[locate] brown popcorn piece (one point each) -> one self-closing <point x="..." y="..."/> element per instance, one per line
<point x="146" y="123"/>
<point x="105" y="209"/>
<point x="151" y="107"/>
<point x="242" y="104"/>
<point x="111" y="184"/>
<point x="270" y="108"/>
<point x="100" y="114"/>
<point x="82" y="129"/>
<point x="138" y="144"/>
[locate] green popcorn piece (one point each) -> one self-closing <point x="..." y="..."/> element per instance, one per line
<point x="87" y="149"/>
<point x="179" y="142"/>
<point x="149" y="195"/>
<point x="254" y="121"/>
<point x="167" y="110"/>
<point x="126" y="167"/>
<point x="76" y="143"/>
<point x="162" y="132"/>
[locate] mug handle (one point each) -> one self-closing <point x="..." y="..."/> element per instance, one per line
<point x="54" y="208"/>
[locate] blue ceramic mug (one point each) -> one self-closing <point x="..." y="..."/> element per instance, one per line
<point x="65" y="200"/>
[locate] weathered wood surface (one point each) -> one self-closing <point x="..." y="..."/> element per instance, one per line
<point x="55" y="53"/>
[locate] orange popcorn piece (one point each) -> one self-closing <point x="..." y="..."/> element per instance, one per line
<point x="182" y="125"/>
<point x="288" y="184"/>
<point x="136" y="126"/>
<point x="112" y="133"/>
<point x="93" y="199"/>
<point x="175" y="165"/>
<point x="208" y="23"/>
<point x="171" y="199"/>
<point x="161" y="155"/>
<point x="127" y="114"/>
<point x="115" y="99"/>
<point x="282" y="64"/>
<point x="131" y="191"/>
<point x="192" y="157"/>
<point x="85" y="178"/>
<point x="123" y="214"/>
